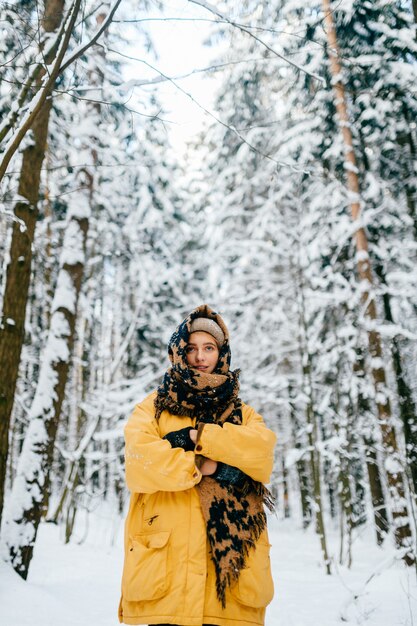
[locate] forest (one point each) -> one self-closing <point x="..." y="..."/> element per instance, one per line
<point x="292" y="210"/>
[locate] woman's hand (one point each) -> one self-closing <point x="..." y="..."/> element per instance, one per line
<point x="208" y="467"/>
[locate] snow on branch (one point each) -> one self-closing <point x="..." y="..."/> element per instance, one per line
<point x="45" y="89"/>
<point x="79" y="51"/>
<point x="43" y="92"/>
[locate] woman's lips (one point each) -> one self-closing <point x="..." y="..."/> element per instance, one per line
<point x="201" y="367"/>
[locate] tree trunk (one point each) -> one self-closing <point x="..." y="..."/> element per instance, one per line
<point x="408" y="410"/>
<point x="32" y="477"/>
<point x="12" y="323"/>
<point x="345" y="494"/>
<point x="286" y="499"/>
<point x="40" y="81"/>
<point x="304" y="492"/>
<point x="377" y="492"/>
<point x="312" y="434"/>
<point x="301" y="465"/>
<point x="359" y="499"/>
<point x="406" y="141"/>
<point x="67" y="507"/>
<point x="344" y="427"/>
<point x="393" y="466"/>
<point x="371" y="458"/>
<point x="315" y="471"/>
<point x="329" y="481"/>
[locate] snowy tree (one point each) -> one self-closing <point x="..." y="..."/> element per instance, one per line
<point x="27" y="118"/>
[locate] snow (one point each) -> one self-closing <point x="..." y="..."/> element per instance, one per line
<point x="73" y="249"/>
<point x="78" y="584"/>
<point x="65" y="294"/>
<point x="393" y="465"/>
<point x="273" y="252"/>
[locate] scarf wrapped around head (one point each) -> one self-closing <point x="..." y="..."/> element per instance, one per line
<point x="234" y="516"/>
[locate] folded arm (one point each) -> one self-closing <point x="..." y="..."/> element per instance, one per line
<point x="152" y="464"/>
<point x="248" y="447"/>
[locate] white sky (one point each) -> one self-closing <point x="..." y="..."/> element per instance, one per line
<point x="180" y="48"/>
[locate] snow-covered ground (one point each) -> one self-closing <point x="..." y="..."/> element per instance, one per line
<point x="78" y="584"/>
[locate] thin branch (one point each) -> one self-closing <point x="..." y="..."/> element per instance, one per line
<point x="92" y="12"/>
<point x="9" y="122"/>
<point x="217" y="119"/>
<point x="154" y="116"/>
<point x="59" y="66"/>
<point x="80" y="51"/>
<point x="210" y="21"/>
<point x="94" y="166"/>
<point x="244" y="29"/>
<point x="41" y="96"/>
<point x="219" y="21"/>
<point x="161" y="78"/>
<point x="21" y="51"/>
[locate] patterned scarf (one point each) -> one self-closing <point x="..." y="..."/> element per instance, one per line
<point x="234" y="516"/>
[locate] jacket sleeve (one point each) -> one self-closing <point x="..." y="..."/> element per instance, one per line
<point x="151" y="463"/>
<point x="249" y="446"/>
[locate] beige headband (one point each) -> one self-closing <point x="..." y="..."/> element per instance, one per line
<point x="208" y="326"/>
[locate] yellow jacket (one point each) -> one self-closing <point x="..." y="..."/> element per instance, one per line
<point x="168" y="576"/>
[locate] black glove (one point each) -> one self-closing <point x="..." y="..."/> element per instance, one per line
<point x="229" y="475"/>
<point x="180" y="439"/>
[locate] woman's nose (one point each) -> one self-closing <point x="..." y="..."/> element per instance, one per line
<point x="200" y="355"/>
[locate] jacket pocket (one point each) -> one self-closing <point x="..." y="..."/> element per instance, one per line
<point x="255" y="586"/>
<point x="146" y="569"/>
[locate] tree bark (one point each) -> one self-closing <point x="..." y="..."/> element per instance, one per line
<point x="286" y="498"/>
<point x="46" y="75"/>
<point x="371" y="459"/>
<point x="345" y="494"/>
<point x="301" y="465"/>
<point x="407" y="407"/>
<point x="12" y="323"/>
<point x="311" y="420"/>
<point x="406" y="141"/>
<point x="32" y="477"/>
<point x="393" y="466"/>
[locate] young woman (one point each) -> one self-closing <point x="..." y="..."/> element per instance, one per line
<point x="196" y="543"/>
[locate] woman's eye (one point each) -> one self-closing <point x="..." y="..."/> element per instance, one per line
<point x="189" y="349"/>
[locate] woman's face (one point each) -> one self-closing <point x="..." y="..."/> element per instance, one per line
<point x="202" y="352"/>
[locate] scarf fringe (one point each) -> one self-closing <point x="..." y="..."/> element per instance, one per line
<point x="231" y="576"/>
<point x="263" y="492"/>
<point x="268" y="500"/>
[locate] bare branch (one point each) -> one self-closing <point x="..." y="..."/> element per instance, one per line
<point x="38" y="68"/>
<point x="161" y="78"/>
<point x="43" y="92"/>
<point x="217" y="119"/>
<point x="19" y="52"/>
<point x="80" y="51"/>
<point x="154" y="116"/>
<point x="244" y="29"/>
<point x="220" y="21"/>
